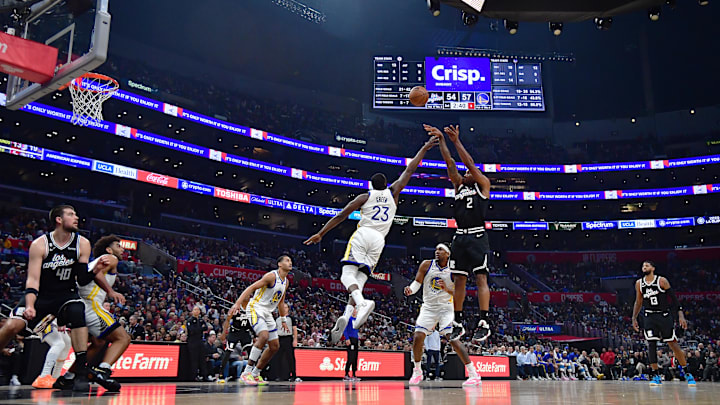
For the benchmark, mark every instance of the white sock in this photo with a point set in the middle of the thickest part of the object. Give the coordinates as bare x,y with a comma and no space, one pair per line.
57,369
248,369
104,365
256,372
470,367
418,365
357,297
48,366
348,311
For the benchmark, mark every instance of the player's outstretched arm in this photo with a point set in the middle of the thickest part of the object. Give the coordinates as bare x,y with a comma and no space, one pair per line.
404,178
351,207
453,132
419,277
452,170
266,281
637,306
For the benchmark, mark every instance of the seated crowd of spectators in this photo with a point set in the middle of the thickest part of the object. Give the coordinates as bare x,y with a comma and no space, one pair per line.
158,307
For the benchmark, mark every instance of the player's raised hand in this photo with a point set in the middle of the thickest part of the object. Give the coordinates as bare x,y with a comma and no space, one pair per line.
431,143
408,291
635,325
453,132
431,130
313,239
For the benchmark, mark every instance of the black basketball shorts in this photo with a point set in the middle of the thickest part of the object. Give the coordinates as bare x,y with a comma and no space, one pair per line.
659,326
470,253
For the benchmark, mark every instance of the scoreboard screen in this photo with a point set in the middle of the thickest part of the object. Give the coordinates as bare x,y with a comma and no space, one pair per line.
459,83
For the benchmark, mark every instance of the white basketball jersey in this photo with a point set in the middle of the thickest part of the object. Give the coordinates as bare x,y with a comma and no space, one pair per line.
92,291
266,299
433,295
378,211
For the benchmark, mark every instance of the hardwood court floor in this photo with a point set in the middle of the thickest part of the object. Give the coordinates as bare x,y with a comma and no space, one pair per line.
380,393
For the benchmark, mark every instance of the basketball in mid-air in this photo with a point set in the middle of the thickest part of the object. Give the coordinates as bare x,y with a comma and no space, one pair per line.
419,96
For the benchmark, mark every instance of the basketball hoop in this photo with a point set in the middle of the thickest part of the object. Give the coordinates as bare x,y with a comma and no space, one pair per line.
88,93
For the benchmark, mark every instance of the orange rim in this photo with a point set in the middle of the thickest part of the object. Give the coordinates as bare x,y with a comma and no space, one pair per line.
91,75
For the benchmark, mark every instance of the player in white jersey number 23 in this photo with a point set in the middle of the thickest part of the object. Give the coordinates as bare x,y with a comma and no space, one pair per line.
377,211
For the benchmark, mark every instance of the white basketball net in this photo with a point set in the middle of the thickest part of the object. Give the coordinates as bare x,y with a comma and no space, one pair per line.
88,93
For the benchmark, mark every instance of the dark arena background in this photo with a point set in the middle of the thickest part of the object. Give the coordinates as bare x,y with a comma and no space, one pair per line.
224,143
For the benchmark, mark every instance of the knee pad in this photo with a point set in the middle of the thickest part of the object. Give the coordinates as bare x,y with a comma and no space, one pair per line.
72,315
349,276
652,352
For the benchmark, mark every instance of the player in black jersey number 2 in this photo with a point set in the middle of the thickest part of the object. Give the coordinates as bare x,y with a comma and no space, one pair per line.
470,247
653,293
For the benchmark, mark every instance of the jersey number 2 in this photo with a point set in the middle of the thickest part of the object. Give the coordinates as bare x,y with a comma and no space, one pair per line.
378,210
63,273
468,203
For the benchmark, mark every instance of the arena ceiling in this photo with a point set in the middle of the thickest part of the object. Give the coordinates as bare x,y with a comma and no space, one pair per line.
259,39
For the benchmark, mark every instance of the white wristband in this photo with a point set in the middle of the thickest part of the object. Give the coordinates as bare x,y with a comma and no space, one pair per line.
282,319
415,286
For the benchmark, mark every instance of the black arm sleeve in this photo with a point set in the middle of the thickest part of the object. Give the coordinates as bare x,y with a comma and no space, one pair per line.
83,274
674,303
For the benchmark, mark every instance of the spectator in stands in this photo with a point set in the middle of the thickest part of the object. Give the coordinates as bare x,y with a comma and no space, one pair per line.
213,356
134,329
664,363
711,367
608,358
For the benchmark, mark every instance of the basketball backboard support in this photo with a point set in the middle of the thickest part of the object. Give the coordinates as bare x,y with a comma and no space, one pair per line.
82,43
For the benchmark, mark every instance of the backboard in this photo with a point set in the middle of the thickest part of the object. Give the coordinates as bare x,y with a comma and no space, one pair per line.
81,40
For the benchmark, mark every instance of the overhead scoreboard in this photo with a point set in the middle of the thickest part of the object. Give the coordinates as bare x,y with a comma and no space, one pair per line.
459,83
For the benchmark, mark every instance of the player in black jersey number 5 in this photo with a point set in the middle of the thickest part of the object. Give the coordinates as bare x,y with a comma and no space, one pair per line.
653,293
470,247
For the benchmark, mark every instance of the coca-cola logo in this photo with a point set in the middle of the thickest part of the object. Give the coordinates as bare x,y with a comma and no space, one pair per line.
158,179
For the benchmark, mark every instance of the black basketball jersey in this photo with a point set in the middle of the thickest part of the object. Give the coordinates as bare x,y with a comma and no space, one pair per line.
56,274
470,207
239,324
654,297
